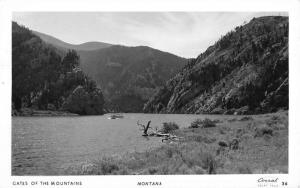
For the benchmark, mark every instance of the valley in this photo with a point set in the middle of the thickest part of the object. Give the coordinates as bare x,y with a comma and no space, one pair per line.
108,109
127,76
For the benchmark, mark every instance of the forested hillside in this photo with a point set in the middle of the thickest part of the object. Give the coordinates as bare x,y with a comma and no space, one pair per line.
42,79
129,76
245,72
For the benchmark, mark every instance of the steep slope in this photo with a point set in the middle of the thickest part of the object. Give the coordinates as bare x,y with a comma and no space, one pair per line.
129,76
42,79
65,46
246,71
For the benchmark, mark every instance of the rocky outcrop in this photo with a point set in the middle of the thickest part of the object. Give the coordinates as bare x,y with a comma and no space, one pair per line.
84,103
245,72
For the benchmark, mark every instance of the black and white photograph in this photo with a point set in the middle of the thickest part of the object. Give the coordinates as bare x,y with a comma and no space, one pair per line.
115,94
138,93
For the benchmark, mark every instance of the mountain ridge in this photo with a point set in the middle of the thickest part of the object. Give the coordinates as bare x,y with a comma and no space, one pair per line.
130,72
125,73
86,46
244,72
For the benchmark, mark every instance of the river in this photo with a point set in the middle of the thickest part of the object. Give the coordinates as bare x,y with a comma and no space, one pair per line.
50,145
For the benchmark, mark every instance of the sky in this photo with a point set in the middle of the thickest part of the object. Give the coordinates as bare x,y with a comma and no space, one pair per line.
186,34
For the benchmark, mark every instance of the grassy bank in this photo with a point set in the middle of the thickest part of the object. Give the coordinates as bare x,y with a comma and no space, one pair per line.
239,145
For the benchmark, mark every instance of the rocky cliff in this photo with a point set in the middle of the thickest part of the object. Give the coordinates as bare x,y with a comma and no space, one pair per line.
244,72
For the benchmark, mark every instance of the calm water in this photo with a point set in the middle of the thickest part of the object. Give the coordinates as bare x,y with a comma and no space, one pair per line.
50,145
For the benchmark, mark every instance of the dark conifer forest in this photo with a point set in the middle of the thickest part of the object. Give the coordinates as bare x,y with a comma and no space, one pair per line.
45,78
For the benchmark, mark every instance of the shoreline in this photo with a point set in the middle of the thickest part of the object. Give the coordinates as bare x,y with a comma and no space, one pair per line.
27,112
208,150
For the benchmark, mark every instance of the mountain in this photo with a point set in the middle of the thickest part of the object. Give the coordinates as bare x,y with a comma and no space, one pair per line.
42,79
63,45
128,76
244,72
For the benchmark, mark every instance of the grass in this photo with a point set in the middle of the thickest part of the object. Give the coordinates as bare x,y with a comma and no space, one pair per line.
239,147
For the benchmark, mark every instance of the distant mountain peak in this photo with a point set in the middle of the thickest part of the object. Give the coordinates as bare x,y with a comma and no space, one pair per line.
87,46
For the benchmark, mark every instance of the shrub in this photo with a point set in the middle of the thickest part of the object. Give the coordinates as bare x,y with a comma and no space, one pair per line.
169,127
223,144
206,123
196,123
234,144
261,131
152,170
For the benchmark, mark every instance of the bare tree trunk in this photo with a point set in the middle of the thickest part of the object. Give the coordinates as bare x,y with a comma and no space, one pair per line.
146,129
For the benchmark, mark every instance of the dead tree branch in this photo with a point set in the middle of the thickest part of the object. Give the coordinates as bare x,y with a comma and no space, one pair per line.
144,128
157,133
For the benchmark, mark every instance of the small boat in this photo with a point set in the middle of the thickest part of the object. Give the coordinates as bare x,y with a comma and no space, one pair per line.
116,116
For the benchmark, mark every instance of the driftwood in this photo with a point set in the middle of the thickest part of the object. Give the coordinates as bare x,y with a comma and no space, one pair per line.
166,136
144,128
